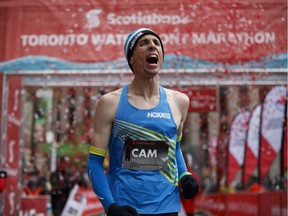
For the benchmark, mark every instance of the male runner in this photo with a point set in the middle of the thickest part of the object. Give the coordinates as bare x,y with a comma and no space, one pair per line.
141,126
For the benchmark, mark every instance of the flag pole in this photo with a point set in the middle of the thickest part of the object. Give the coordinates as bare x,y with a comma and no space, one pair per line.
282,158
245,150
259,149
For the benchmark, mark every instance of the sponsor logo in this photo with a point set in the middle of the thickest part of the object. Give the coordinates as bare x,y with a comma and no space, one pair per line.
134,40
158,115
139,18
92,19
148,19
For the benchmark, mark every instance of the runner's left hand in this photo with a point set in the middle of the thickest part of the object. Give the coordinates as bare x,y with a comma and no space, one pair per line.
190,186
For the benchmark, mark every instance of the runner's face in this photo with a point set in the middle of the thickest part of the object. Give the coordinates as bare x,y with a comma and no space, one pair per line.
147,58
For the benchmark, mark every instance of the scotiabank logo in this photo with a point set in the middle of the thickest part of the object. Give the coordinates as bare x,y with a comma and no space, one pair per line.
137,18
92,18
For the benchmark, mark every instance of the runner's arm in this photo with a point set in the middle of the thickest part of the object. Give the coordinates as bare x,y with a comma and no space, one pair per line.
182,168
98,149
189,185
182,104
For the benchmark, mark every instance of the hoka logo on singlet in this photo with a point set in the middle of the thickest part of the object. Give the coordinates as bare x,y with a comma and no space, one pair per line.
158,115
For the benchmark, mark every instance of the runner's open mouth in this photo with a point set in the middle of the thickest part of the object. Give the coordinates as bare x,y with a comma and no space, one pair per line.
152,59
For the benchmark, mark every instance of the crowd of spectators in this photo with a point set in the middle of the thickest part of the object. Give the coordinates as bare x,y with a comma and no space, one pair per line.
57,185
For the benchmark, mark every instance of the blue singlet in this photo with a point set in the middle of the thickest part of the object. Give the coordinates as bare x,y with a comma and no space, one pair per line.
150,192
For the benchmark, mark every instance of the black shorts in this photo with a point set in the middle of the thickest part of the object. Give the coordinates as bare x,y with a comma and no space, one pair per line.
166,214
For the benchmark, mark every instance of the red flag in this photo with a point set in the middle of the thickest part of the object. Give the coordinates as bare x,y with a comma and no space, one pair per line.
12,156
237,144
271,127
252,144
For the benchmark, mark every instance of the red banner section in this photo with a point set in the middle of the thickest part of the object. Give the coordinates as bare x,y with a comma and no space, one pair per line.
82,202
271,204
12,158
87,31
202,100
242,204
34,205
93,205
248,204
214,204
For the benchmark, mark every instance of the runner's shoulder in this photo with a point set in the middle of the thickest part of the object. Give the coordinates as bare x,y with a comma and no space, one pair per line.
110,99
177,96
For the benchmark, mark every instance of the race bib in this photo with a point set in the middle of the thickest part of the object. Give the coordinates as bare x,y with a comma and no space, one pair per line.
145,155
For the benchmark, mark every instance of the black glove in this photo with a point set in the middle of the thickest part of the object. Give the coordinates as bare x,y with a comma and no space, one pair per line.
116,210
190,186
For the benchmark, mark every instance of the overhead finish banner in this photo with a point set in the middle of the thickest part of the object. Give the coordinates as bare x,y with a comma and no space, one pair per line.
91,34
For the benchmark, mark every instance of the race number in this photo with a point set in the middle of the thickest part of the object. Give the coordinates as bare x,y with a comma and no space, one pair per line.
145,155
